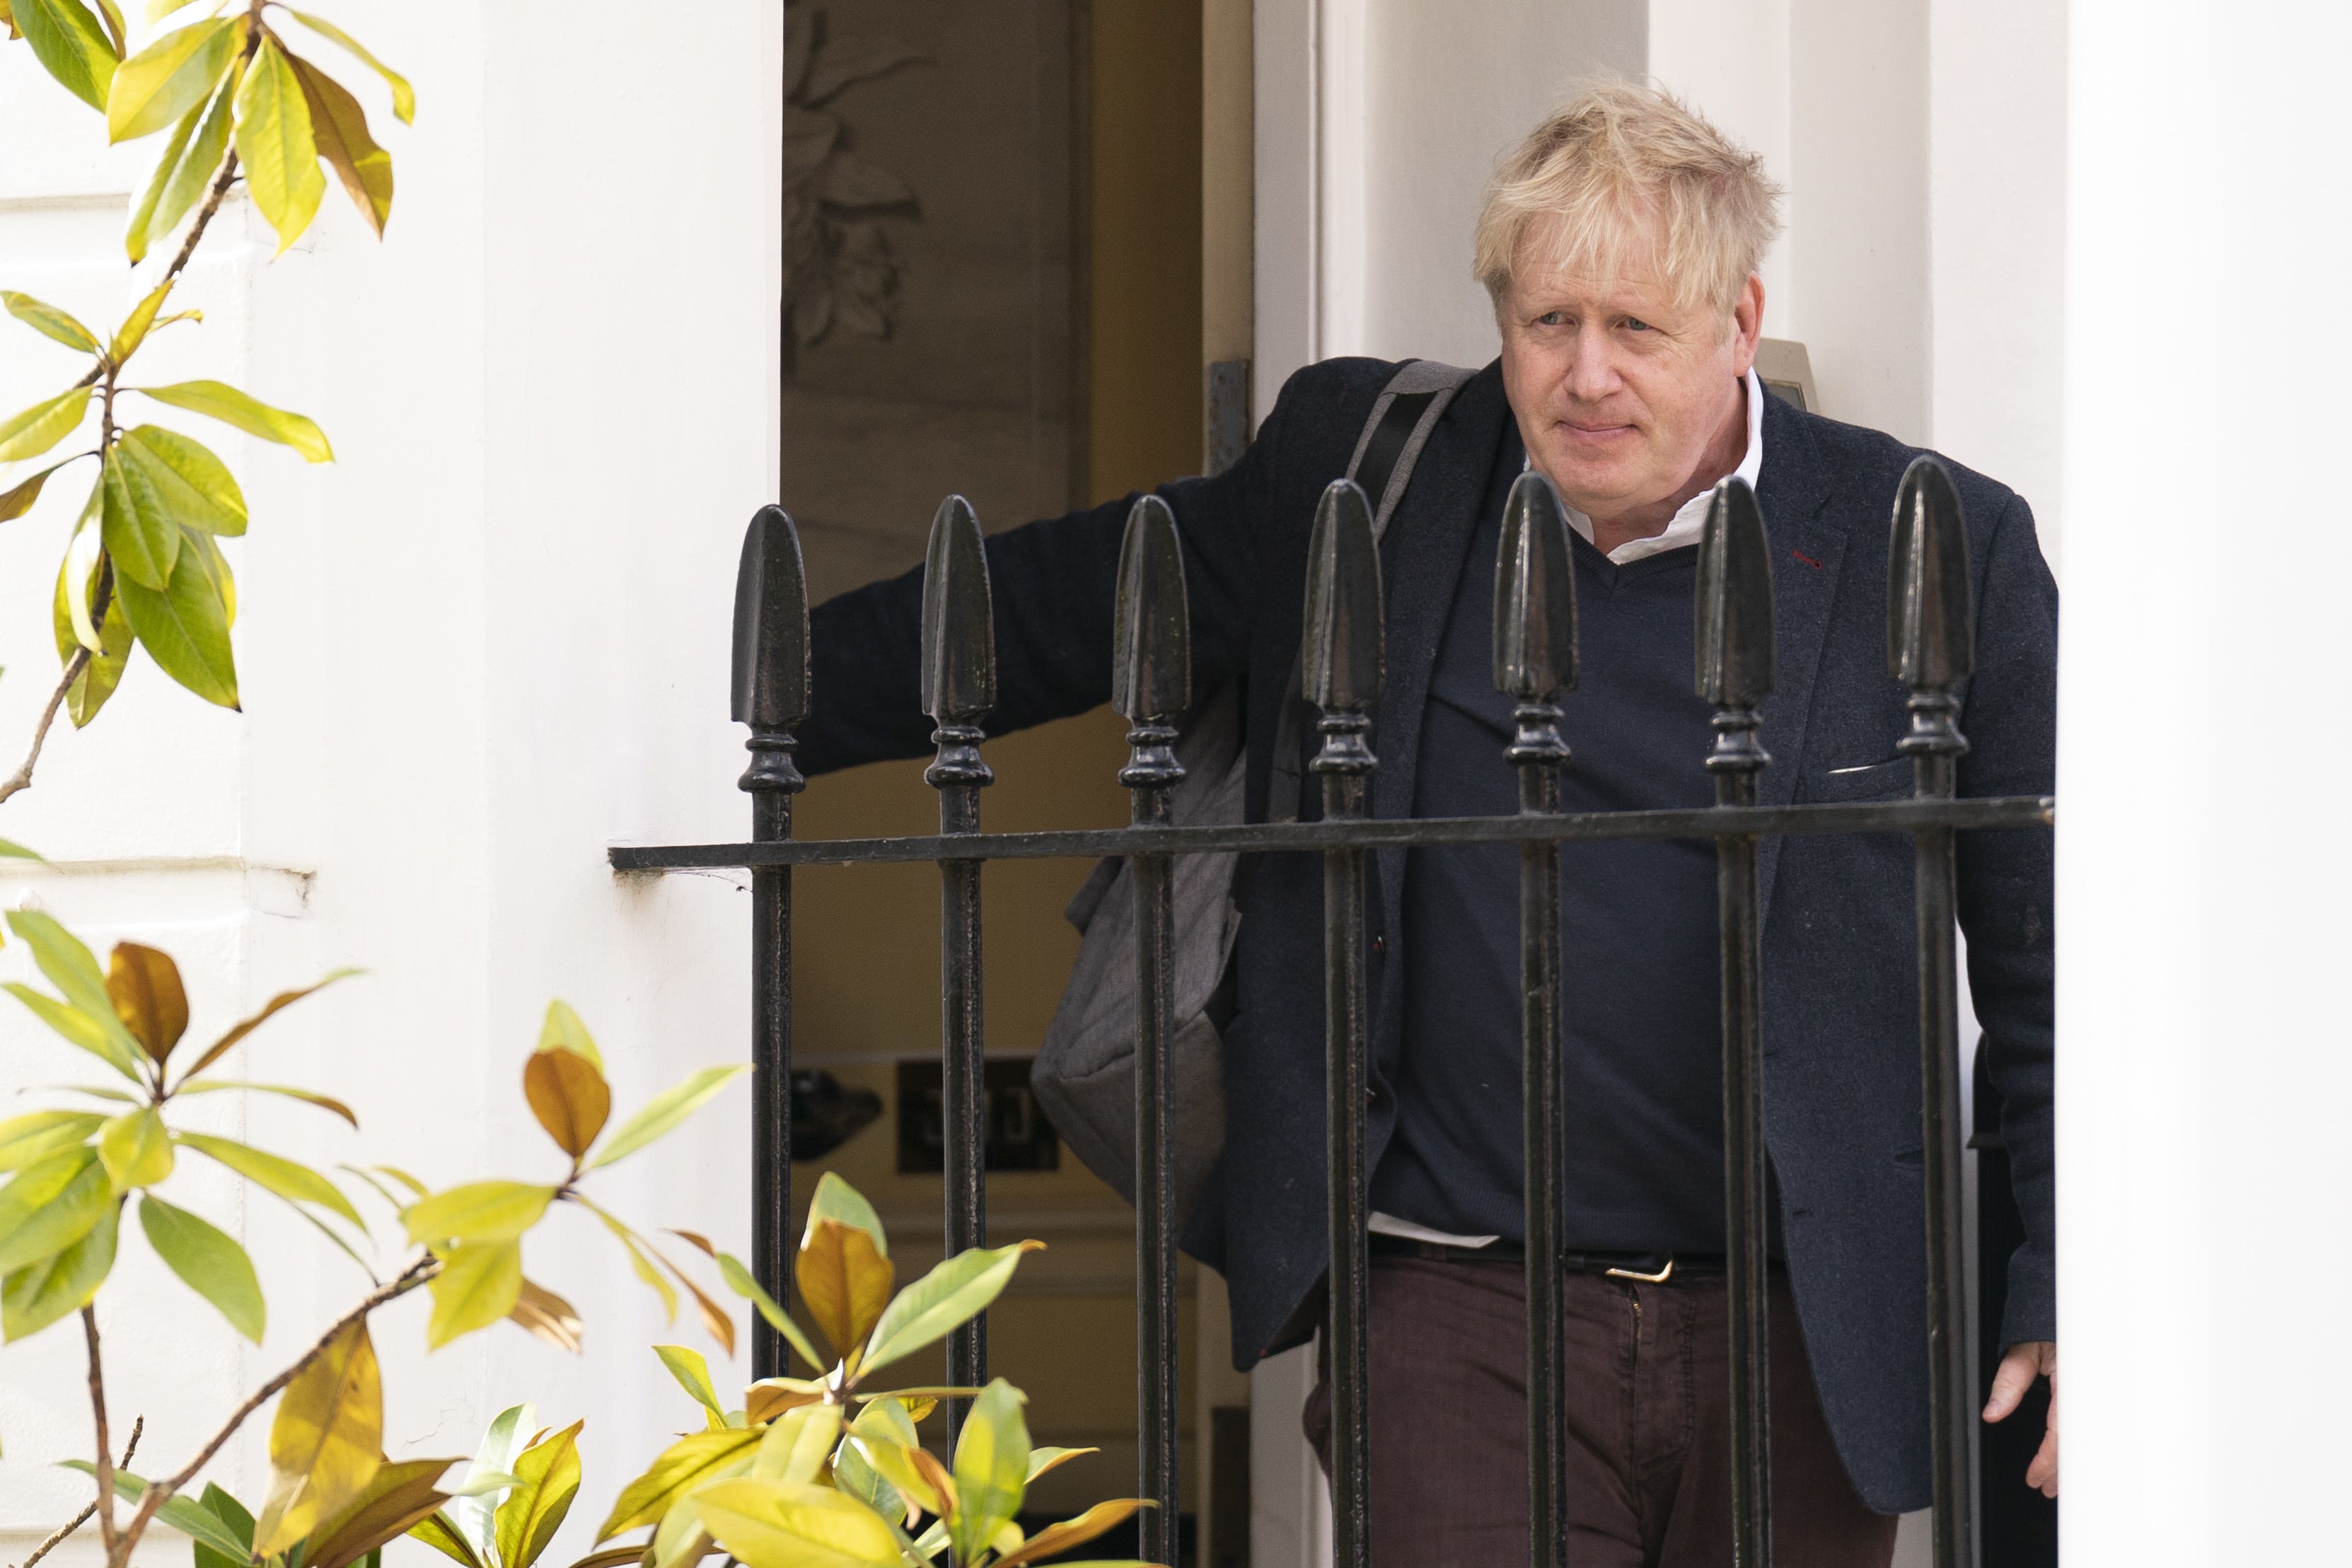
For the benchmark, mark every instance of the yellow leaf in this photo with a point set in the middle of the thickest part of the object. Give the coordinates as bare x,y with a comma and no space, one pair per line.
136,1148
479,1283
70,44
767,1524
548,1316
403,97
684,1466
478,1211
147,998
1057,1539
170,77
844,1283
770,1396
276,145
568,1096
326,1443
527,1520
189,161
341,127
135,326
30,431
795,1447
562,1029
48,320
992,1467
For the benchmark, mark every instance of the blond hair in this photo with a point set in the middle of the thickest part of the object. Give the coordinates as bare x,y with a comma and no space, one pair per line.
1623,175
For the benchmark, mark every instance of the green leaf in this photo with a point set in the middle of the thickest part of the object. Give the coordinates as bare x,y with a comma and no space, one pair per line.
181,480
488,1478
323,1102
1045,1457
185,629
992,1467
188,164
92,1034
141,320
69,963
478,1285
203,1522
635,1246
208,1260
49,322
342,129
169,78
691,1462
18,499
36,1136
296,1184
231,1517
797,1444
562,1029
665,1110
144,540
275,141
547,1477
30,431
136,1149
109,645
478,1211
440,1532
693,1374
34,1297
739,1280
951,1295
71,46
230,406
836,1200
403,97
11,850
770,1524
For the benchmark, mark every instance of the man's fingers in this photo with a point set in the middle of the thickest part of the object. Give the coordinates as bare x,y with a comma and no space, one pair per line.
2041,1475
2012,1379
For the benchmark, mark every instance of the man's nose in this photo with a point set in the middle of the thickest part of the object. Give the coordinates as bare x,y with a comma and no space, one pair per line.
1591,373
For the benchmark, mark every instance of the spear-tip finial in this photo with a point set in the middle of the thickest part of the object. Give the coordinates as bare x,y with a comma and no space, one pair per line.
959,626
1344,650
770,687
1151,657
1535,595
1930,619
1735,600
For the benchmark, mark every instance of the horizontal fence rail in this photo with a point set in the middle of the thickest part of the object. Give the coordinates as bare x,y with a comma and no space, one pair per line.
1930,650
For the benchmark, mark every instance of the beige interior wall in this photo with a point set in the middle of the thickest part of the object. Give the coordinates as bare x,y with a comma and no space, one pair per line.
867,939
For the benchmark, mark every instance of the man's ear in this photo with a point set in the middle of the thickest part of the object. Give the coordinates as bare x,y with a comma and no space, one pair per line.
1746,323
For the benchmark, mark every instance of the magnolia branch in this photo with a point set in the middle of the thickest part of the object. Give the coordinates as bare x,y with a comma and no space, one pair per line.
105,1498
23,777
56,1537
158,1493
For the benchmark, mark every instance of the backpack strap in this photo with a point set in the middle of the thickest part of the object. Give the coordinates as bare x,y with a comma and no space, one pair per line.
1394,434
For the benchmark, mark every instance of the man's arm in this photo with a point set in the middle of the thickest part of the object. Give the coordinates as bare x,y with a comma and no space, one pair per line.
1052,583
2010,718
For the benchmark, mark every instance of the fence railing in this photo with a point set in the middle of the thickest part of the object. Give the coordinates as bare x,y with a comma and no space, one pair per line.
1930,649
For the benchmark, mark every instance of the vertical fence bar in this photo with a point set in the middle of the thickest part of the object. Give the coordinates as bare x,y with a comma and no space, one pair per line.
1931,648
1343,668
1534,662
771,694
1152,682
958,689
1735,673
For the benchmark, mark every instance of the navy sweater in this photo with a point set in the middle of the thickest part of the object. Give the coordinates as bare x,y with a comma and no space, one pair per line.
1644,1065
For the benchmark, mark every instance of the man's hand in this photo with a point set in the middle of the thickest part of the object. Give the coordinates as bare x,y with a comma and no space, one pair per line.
2018,1368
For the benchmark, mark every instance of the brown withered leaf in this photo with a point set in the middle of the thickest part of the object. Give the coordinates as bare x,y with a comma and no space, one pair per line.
401,1496
147,998
569,1097
548,1316
844,1281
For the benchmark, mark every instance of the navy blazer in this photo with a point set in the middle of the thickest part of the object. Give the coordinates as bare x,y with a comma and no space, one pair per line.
1840,983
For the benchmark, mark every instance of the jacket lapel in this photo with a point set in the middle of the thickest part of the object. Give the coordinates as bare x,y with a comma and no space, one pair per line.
1808,552
1421,565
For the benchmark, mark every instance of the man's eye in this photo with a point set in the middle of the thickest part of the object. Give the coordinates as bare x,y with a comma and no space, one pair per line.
1551,319
1637,325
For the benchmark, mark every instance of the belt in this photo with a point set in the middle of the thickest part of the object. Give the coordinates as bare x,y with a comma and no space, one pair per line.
1646,1267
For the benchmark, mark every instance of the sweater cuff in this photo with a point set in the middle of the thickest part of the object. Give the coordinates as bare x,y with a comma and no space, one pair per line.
2032,1310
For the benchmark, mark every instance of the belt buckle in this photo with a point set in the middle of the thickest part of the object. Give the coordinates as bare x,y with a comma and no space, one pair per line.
1659,1277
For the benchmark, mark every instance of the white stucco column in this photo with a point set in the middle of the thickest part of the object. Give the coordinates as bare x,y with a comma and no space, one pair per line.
2204,1070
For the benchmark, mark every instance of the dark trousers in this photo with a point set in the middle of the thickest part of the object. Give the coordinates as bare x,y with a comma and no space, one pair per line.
1648,1421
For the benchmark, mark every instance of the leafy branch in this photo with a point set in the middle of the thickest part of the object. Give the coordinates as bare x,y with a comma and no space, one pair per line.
142,565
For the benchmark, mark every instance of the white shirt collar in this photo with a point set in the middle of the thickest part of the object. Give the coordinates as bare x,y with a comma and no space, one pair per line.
1690,522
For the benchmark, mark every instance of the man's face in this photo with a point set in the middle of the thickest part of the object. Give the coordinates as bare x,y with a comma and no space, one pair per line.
1620,393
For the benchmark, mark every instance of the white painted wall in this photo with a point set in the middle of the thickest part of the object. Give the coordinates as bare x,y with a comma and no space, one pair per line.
2205,1070
488,642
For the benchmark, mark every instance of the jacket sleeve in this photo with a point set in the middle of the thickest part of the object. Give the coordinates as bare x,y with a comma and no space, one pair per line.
2010,717
1052,583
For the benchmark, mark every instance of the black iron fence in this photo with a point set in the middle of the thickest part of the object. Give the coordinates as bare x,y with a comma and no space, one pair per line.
1930,649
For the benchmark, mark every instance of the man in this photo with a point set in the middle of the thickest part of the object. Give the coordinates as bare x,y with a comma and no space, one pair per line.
1620,244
